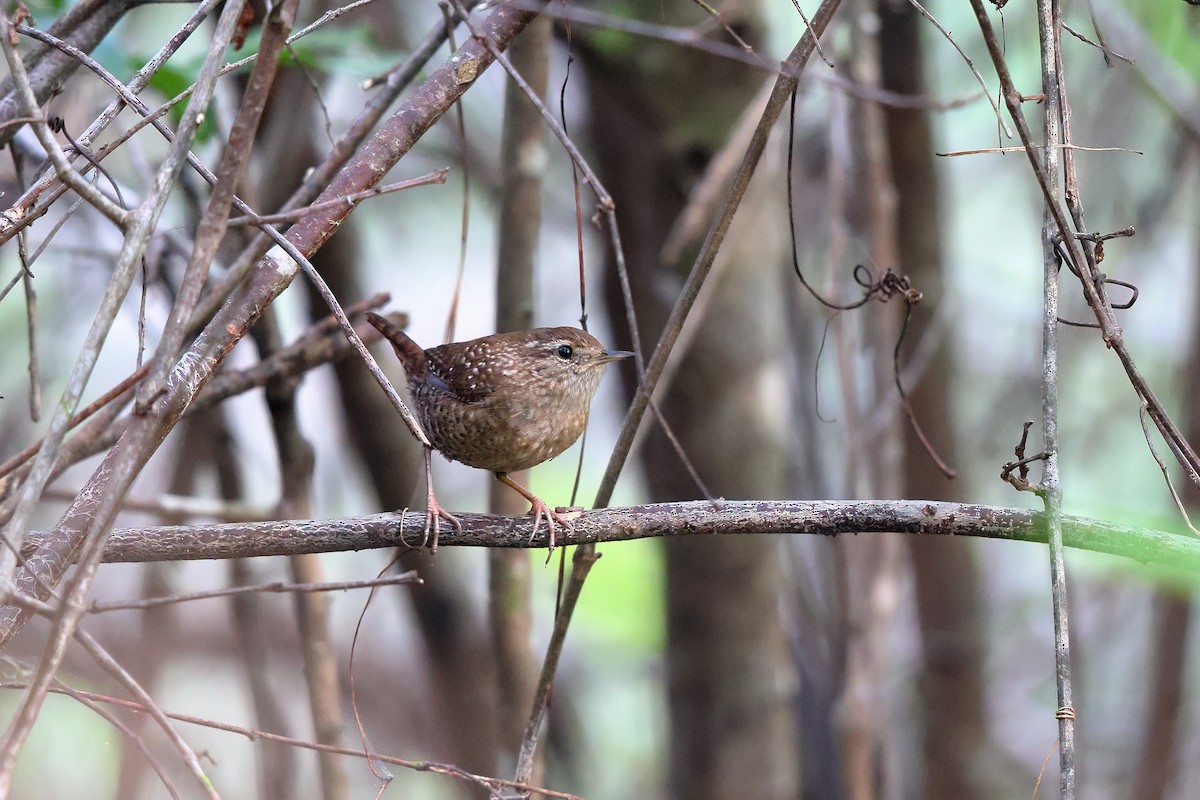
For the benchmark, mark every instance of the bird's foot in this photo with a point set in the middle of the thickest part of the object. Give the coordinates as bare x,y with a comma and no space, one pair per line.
553,517
434,513
433,509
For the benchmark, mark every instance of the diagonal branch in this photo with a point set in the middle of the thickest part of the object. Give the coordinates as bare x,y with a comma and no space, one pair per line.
215,220
785,85
84,24
1184,453
378,155
116,470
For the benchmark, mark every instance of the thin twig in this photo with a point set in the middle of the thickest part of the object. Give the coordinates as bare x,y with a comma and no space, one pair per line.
1021,149
254,735
1113,338
31,339
602,196
970,64
1187,520
1106,51
785,85
137,232
279,587
438,176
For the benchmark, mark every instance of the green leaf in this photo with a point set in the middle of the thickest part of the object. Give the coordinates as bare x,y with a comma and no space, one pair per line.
171,80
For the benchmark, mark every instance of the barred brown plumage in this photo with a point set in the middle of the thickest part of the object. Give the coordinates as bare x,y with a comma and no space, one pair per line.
505,402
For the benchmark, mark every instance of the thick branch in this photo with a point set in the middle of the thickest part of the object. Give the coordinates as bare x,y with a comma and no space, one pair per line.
826,517
84,25
271,276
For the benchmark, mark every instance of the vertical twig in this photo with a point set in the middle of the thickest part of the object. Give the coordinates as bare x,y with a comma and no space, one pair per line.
35,373
1049,23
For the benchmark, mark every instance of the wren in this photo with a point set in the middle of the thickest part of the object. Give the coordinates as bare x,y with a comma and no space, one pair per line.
505,402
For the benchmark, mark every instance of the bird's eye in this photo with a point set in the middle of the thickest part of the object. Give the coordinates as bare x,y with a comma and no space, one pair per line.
564,351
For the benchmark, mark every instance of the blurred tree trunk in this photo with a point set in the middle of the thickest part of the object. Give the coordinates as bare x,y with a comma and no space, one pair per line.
1157,765
872,751
945,575
149,658
459,669
523,156
658,115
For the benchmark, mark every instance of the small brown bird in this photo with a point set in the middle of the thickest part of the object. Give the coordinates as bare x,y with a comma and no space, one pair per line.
505,402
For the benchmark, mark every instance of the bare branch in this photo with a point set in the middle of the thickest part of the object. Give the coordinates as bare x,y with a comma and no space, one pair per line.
214,221
276,587
1183,451
21,214
255,735
41,128
120,470
785,85
694,518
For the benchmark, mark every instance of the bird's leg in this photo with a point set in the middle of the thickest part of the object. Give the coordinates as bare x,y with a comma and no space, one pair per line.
538,508
433,510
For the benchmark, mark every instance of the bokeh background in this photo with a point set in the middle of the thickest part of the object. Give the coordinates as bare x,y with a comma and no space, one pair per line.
724,667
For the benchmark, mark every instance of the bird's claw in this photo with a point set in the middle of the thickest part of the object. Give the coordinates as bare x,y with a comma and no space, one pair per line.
433,514
553,517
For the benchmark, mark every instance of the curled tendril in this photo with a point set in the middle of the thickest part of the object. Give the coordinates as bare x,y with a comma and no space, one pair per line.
1065,258
889,285
59,125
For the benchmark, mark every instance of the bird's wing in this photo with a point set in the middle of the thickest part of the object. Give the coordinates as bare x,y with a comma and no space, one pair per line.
470,382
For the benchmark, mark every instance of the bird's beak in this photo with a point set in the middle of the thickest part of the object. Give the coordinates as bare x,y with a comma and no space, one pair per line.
613,355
